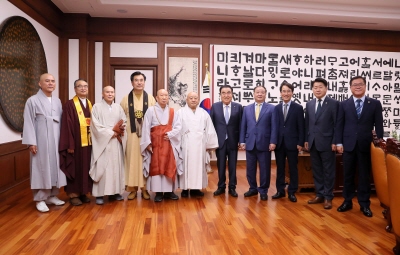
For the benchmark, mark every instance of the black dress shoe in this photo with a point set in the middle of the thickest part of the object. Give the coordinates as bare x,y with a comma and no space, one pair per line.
233,193
251,193
366,211
185,193
345,207
219,191
171,195
264,197
84,199
292,197
159,197
118,197
196,193
278,195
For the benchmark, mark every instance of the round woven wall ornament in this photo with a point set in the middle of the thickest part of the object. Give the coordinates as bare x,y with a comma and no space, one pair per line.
22,61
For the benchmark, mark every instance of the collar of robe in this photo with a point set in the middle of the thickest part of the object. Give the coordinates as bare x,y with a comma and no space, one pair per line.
138,114
84,122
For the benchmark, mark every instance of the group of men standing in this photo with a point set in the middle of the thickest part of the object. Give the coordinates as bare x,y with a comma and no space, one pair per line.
144,144
328,127
77,146
99,149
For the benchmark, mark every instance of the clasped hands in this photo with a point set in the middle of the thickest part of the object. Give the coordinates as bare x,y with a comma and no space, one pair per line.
119,130
271,147
339,149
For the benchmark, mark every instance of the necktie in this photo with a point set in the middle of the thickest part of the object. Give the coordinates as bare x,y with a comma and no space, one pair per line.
226,114
319,107
358,107
257,111
285,111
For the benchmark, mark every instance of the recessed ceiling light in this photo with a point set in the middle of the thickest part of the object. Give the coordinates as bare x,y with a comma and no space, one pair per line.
122,11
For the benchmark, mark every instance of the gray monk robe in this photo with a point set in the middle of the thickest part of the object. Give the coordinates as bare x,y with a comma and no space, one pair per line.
42,128
156,117
107,164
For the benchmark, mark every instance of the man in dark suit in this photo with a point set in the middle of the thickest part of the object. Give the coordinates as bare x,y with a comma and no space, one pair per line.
357,117
290,122
320,120
226,116
259,137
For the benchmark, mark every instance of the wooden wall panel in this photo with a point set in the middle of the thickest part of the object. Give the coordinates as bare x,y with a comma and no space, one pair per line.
241,33
83,59
22,162
63,69
7,171
160,67
14,165
106,64
44,12
91,71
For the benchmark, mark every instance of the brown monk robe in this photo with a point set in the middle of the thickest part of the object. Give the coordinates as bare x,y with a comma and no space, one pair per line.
75,165
161,148
162,160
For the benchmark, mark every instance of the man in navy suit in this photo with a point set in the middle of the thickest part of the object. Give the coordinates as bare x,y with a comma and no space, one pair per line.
357,117
258,135
226,116
290,122
320,120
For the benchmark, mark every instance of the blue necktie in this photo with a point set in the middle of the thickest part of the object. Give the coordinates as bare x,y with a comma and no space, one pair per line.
285,111
226,119
226,114
319,107
358,107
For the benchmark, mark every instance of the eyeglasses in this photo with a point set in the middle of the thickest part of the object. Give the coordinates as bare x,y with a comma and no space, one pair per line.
82,86
357,84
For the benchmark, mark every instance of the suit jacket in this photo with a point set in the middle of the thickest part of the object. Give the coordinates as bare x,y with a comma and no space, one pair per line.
352,130
261,132
292,128
320,130
217,115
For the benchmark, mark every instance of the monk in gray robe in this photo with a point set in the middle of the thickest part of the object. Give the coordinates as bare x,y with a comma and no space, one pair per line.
160,147
198,138
108,148
42,117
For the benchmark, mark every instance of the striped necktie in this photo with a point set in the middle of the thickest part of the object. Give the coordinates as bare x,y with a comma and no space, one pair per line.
358,107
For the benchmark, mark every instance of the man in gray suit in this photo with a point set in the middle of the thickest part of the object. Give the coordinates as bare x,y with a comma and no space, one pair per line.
320,121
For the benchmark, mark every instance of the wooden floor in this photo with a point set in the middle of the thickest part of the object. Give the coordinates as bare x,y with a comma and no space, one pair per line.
208,225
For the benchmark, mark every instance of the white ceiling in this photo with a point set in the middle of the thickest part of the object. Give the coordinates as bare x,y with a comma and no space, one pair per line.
361,14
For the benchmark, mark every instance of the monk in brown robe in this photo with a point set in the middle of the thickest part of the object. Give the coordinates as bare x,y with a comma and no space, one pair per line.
160,147
75,144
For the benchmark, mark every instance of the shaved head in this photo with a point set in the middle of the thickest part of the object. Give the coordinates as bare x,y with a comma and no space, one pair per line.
108,94
107,88
47,84
192,100
161,91
162,98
